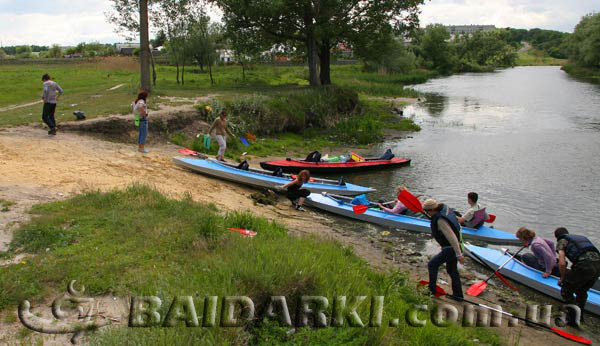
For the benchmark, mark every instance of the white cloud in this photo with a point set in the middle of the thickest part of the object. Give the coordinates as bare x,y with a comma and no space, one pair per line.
546,14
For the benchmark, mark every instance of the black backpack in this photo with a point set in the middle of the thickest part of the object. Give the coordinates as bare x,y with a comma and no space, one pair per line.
315,156
244,166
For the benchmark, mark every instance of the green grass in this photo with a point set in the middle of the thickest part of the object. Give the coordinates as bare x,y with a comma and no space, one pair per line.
534,57
139,242
86,85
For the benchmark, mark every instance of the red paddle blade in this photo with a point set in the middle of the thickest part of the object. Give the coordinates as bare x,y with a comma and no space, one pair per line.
410,201
360,209
243,232
439,292
476,289
491,219
571,337
503,279
187,152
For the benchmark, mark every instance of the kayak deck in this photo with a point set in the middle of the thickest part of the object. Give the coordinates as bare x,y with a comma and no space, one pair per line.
333,167
527,276
339,206
264,179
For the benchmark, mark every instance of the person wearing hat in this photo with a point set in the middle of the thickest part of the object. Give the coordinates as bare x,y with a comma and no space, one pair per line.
585,268
445,229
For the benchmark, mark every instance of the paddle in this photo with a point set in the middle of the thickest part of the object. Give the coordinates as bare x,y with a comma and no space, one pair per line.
360,209
491,219
440,292
411,202
500,276
479,287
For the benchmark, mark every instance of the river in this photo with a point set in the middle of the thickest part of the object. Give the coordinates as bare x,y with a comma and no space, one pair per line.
527,139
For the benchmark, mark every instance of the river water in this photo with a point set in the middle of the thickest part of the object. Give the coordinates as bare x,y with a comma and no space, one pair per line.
527,139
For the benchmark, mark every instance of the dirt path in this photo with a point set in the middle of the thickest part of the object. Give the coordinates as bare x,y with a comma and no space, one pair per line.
37,168
13,107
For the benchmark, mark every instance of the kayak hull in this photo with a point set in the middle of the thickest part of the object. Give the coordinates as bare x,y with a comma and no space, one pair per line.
527,276
263,180
295,166
410,223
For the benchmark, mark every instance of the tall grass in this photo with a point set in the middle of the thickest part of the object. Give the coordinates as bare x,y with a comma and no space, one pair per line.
139,242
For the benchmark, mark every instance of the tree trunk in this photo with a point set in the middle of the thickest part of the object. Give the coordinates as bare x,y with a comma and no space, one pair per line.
212,82
183,73
153,69
144,45
177,64
313,73
243,70
325,61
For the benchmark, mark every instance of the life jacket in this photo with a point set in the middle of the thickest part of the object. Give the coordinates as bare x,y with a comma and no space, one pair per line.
448,215
577,246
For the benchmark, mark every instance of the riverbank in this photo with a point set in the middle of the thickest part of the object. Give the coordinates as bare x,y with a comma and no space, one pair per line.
586,73
65,241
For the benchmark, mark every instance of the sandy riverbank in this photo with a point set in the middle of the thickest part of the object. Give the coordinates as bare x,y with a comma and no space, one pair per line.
37,168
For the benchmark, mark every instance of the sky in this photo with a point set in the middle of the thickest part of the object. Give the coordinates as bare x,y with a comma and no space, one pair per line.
68,22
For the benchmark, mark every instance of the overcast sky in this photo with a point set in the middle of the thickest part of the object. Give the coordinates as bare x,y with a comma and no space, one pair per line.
68,22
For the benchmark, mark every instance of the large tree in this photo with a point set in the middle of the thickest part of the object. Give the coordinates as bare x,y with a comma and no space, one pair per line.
131,20
583,45
318,25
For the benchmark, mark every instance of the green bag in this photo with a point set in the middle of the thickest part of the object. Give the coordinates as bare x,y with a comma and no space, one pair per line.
137,120
207,141
334,159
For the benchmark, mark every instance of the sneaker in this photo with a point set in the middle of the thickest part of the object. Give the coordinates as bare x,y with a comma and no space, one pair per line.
145,151
52,132
299,208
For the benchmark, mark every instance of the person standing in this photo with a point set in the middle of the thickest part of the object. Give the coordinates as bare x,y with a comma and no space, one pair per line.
219,126
585,268
140,111
50,93
445,229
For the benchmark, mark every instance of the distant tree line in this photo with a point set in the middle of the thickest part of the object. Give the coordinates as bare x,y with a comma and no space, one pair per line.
583,46
83,49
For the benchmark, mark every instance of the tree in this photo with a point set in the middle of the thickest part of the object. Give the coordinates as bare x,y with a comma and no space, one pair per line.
386,54
583,46
202,42
2,54
23,52
127,16
247,46
435,48
318,25
55,51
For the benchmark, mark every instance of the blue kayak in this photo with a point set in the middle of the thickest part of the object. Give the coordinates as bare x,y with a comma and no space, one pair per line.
526,275
265,179
341,206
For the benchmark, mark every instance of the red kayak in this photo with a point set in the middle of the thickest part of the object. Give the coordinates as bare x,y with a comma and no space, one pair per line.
294,166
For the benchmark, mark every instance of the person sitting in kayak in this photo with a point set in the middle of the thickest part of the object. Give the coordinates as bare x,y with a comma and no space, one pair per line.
399,208
294,191
542,257
585,268
467,220
445,229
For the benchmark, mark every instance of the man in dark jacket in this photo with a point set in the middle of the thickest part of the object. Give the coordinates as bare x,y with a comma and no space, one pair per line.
445,229
585,268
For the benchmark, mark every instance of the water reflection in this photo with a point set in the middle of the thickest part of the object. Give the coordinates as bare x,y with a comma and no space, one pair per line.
435,104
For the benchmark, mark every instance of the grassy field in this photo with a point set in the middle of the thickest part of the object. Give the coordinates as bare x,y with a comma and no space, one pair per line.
534,57
87,85
138,242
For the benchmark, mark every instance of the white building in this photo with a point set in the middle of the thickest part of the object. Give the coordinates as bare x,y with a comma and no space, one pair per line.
457,30
225,55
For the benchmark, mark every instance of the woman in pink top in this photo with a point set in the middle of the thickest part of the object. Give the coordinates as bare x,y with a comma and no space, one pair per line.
542,257
398,208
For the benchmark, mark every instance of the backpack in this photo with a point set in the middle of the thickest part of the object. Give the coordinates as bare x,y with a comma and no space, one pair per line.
315,156
387,155
278,172
244,166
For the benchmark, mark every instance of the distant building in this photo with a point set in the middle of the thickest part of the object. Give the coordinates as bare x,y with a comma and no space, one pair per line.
127,48
225,55
457,30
